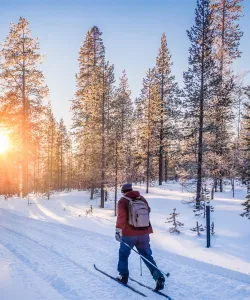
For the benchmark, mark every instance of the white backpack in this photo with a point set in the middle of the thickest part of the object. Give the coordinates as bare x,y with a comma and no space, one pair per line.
138,213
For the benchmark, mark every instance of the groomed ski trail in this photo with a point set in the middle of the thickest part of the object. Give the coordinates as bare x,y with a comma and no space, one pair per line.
69,279
62,257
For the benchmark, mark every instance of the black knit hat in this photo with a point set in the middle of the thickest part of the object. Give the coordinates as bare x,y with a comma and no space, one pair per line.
126,187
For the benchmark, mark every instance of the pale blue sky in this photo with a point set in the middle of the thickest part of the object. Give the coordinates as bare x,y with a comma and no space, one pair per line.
131,32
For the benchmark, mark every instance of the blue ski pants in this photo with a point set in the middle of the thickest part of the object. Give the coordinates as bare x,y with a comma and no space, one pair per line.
141,242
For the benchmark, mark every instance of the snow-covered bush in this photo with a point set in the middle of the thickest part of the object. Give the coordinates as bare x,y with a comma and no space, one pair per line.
198,228
89,211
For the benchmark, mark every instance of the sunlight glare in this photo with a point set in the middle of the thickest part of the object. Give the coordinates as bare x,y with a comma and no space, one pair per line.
4,143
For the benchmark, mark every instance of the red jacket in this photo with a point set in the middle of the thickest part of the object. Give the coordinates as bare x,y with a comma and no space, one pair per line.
122,216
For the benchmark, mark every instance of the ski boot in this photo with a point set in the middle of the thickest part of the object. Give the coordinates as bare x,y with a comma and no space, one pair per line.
160,284
122,278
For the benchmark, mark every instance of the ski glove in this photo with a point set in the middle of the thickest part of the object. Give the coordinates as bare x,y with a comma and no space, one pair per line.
118,234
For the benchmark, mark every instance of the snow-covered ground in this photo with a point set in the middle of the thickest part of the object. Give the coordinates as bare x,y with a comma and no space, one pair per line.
47,249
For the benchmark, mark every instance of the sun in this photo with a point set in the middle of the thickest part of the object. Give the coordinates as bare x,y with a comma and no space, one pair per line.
4,143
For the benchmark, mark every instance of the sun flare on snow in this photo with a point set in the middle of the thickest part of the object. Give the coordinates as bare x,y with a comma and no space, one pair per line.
4,143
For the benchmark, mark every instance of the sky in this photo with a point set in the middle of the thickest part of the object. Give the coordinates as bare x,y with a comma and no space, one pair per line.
131,33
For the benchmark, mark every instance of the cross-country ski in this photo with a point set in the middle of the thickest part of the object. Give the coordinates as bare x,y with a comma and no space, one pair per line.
115,279
150,288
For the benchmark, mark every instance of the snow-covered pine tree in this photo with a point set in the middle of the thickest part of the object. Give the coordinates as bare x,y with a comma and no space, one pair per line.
176,224
200,82
168,106
226,15
20,75
90,106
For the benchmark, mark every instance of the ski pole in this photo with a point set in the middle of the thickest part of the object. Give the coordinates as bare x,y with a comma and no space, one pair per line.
166,274
141,265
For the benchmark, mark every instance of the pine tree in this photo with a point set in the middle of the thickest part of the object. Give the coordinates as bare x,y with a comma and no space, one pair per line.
91,111
63,145
86,116
148,112
121,124
50,175
107,94
70,165
199,81
139,157
168,104
125,104
226,14
20,75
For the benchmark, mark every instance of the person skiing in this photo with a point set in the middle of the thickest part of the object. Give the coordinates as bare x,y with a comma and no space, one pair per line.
133,228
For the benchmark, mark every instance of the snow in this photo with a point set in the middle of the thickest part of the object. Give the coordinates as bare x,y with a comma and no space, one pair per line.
47,249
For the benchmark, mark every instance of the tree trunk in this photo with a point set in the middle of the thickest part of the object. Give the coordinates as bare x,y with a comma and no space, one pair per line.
148,158
212,193
200,138
92,192
61,174
221,185
161,136
103,145
24,130
233,189
221,73
48,164
116,173
166,168
148,138
51,159
215,185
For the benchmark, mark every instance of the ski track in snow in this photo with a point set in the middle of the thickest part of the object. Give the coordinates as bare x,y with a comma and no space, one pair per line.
62,257
13,288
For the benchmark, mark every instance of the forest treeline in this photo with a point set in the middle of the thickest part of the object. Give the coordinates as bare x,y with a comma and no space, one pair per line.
196,132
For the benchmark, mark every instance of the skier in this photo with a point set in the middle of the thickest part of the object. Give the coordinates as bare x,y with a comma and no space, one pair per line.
133,228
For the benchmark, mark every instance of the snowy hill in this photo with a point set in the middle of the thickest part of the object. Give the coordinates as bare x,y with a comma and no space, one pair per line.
47,249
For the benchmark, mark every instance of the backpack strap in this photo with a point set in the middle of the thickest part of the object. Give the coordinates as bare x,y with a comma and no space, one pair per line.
125,197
